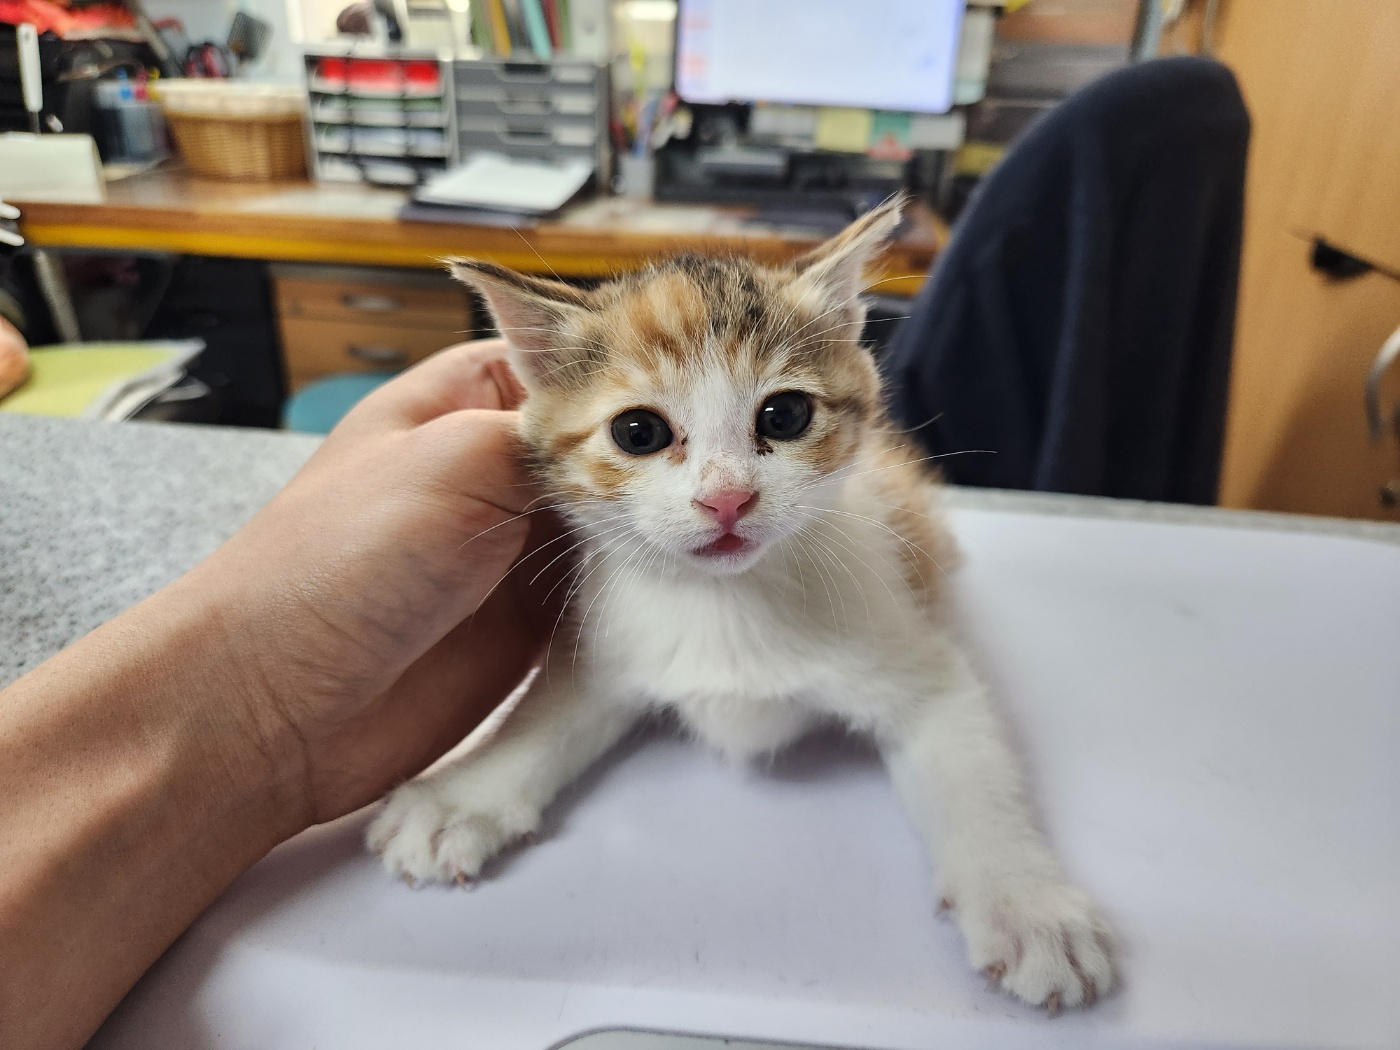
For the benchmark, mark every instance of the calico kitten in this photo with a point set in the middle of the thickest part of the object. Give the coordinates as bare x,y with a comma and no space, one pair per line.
759,554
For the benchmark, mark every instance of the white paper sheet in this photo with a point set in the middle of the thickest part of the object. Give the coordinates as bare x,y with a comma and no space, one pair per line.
489,180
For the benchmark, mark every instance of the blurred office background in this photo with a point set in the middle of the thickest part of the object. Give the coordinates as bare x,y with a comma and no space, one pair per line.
278,177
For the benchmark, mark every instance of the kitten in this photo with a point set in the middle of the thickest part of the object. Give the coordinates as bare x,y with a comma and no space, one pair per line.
758,555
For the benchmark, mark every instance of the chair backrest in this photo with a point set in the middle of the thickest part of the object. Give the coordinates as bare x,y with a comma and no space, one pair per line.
1079,325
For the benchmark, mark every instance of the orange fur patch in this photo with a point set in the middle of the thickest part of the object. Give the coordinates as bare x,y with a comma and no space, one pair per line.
901,484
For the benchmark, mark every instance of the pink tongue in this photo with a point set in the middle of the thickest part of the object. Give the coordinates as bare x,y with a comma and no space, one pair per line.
727,543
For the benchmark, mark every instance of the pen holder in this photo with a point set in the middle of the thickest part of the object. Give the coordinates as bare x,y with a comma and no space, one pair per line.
636,175
131,130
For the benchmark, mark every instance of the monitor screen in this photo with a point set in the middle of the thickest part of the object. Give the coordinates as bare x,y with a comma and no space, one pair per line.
876,54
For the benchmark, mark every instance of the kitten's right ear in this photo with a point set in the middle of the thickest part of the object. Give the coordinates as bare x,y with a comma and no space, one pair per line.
536,317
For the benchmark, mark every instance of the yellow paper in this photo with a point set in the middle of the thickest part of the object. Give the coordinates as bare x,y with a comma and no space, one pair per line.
844,129
64,381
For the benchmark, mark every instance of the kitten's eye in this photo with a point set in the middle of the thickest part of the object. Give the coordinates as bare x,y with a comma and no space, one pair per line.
785,416
640,432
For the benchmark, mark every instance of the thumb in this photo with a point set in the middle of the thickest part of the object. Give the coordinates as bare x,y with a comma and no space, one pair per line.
477,467
484,458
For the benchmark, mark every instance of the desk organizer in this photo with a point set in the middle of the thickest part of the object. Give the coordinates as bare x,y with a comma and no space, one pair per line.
539,110
380,116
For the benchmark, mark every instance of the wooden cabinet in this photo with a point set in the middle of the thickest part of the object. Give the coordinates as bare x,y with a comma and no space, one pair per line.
1347,187
344,319
1298,439
1322,82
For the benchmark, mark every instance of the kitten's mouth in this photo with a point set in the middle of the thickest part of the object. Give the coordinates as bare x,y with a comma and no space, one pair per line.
725,545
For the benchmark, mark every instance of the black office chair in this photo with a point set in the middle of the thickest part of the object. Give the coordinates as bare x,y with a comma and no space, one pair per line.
1078,327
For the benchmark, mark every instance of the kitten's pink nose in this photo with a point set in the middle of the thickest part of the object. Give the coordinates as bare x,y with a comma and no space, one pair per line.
728,505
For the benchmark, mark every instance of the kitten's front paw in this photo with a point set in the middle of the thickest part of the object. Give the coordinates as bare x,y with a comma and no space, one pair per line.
1043,941
426,835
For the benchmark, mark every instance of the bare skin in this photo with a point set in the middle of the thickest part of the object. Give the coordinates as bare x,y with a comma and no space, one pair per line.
360,625
14,357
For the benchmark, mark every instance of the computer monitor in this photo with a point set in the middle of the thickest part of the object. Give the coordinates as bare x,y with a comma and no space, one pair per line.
875,54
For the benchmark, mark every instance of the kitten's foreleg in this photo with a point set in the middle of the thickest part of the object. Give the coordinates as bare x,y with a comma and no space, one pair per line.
1027,927
446,825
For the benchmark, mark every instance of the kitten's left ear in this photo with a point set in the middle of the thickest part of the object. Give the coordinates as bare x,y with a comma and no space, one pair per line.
836,269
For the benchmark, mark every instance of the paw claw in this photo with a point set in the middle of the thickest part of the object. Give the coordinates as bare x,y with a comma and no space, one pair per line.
1043,942
427,832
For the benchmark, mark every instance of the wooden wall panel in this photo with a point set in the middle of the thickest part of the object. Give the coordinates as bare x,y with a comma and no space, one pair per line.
1317,81
1349,125
1298,438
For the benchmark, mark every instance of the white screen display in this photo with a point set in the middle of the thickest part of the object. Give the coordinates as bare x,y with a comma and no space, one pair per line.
877,54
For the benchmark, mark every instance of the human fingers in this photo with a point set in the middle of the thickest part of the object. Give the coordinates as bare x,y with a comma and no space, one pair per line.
466,376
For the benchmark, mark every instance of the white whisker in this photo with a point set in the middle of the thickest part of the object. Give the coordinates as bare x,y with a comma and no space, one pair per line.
865,599
881,525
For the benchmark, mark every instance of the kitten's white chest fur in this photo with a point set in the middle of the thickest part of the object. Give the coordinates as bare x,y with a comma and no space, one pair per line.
749,662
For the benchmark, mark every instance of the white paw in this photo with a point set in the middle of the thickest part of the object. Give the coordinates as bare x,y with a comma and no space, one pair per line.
1043,941
425,834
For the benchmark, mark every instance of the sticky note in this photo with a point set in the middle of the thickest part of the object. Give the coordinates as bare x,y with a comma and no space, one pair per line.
937,130
889,136
844,129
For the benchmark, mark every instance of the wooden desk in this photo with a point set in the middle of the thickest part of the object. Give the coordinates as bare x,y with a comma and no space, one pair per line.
306,222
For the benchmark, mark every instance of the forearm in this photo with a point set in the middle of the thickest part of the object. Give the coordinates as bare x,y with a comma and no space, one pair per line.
328,651
130,802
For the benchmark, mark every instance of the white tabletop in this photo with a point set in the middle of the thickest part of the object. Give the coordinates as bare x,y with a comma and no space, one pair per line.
1212,718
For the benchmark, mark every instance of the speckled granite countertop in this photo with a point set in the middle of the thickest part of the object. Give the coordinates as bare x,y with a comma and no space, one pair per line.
95,516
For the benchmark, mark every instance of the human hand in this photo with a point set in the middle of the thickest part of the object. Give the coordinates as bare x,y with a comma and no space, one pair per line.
359,626
370,607
14,357
14,351
9,235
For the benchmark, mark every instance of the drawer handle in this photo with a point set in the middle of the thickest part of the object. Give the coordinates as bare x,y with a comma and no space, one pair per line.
526,105
1375,415
524,71
517,133
378,355
373,304
1331,261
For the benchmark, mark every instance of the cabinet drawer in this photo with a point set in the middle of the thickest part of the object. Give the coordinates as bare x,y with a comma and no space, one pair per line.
386,304
497,73
497,131
316,348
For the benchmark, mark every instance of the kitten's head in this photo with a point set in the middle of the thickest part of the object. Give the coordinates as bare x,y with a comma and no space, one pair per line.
699,408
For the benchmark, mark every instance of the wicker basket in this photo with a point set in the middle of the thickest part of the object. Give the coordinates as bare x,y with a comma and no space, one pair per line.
231,130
